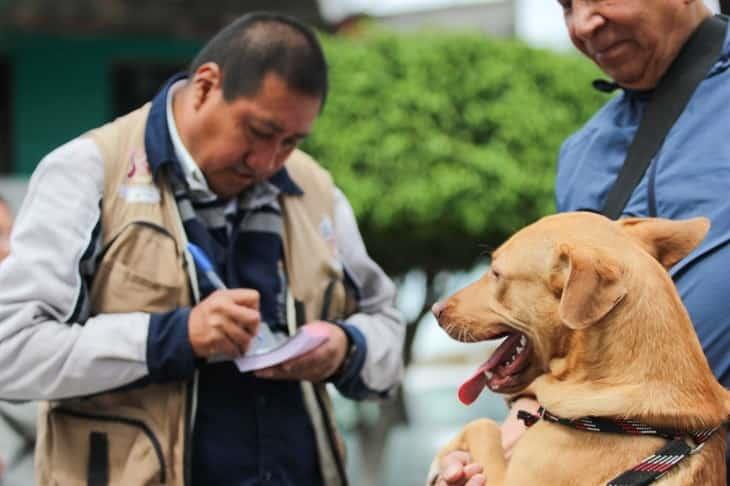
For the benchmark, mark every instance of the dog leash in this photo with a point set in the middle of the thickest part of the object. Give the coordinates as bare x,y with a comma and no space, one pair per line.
680,446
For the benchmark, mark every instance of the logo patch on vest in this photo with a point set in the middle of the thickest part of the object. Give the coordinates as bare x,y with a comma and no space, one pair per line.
327,230
139,187
139,169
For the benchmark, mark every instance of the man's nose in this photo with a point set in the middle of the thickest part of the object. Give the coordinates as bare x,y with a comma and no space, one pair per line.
585,19
264,157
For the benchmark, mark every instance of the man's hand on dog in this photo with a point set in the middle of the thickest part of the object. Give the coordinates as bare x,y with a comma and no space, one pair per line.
456,468
316,365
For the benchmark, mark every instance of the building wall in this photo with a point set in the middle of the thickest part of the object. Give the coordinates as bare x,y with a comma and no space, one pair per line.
494,18
62,86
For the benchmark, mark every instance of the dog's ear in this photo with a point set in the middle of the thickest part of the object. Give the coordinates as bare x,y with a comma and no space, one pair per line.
666,240
593,286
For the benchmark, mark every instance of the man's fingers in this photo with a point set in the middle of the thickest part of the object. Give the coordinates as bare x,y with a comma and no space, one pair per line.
452,467
453,472
478,480
471,469
238,337
245,297
456,457
246,318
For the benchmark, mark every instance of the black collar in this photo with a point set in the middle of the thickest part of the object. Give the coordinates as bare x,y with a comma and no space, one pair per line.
680,445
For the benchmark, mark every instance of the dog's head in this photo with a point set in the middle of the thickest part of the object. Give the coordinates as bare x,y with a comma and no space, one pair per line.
562,276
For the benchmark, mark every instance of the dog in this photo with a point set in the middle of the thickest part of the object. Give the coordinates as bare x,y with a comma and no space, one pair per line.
593,327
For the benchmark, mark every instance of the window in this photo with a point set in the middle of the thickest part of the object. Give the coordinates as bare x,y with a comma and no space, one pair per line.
6,125
134,84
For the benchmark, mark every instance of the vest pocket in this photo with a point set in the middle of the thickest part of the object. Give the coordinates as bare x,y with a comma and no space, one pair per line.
142,270
103,449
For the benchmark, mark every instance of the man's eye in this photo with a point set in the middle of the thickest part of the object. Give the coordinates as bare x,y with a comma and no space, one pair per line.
259,134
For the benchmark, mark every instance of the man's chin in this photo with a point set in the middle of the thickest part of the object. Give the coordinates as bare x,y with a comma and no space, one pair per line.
229,191
232,184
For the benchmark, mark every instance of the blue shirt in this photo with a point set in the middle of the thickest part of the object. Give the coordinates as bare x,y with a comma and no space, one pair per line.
688,177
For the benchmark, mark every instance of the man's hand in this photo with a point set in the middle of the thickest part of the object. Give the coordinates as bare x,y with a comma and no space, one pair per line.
224,323
456,468
512,427
316,365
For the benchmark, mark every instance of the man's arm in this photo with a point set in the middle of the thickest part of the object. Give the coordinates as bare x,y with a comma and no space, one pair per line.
375,365
363,354
48,350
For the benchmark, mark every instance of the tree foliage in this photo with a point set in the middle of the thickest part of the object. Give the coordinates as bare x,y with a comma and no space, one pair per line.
445,142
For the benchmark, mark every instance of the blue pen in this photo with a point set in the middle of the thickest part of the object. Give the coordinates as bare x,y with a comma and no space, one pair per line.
204,263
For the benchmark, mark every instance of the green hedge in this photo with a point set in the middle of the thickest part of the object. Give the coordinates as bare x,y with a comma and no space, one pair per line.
445,142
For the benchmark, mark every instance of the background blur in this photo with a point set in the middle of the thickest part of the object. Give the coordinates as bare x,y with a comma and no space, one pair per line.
443,126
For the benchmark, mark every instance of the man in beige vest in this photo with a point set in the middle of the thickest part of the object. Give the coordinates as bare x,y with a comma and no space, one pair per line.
106,316
17,420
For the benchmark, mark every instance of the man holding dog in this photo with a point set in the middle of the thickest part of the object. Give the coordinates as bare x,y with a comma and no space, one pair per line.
634,42
105,313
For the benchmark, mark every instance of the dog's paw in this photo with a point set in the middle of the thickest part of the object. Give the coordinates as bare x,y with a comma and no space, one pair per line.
481,429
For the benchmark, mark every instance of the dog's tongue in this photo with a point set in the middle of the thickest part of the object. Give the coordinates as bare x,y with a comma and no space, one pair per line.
473,386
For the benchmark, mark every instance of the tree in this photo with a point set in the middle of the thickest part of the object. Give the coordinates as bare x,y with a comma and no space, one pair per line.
444,143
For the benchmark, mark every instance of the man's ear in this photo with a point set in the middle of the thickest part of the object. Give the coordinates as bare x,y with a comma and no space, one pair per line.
593,286
205,79
666,240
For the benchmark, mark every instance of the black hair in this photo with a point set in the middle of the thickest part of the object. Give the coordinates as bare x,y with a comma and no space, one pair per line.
260,43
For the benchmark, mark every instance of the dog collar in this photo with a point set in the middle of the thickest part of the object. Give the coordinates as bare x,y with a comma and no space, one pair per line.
680,445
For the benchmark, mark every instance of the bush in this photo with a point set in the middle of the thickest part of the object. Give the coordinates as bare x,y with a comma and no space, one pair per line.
445,142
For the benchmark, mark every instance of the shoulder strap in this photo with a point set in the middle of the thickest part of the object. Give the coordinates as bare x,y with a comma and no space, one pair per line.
666,104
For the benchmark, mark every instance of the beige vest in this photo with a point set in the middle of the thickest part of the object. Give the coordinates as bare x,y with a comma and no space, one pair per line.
141,436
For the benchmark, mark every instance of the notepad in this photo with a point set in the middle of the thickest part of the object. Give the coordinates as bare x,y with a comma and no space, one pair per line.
287,347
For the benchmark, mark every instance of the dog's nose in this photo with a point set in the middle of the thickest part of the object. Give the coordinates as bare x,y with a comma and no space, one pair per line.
437,308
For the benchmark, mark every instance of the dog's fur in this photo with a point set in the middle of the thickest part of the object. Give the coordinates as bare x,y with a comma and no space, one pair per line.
608,336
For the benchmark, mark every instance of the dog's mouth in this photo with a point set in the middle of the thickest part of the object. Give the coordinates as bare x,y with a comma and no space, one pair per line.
503,372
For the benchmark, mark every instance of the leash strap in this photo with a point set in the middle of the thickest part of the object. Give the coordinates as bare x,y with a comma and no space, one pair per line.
652,467
665,106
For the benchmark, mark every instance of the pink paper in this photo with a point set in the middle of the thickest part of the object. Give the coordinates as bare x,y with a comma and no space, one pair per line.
306,339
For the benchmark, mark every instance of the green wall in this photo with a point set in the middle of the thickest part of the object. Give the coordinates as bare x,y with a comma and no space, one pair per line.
62,85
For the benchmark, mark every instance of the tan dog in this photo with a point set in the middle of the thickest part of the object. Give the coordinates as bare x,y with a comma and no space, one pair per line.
594,327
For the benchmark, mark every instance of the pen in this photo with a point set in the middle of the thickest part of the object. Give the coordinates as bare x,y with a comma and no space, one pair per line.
204,263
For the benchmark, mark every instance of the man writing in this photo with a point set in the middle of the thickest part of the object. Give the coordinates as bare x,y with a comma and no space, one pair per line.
104,314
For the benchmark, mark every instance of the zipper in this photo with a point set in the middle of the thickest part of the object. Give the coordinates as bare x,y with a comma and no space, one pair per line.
127,421
327,299
191,390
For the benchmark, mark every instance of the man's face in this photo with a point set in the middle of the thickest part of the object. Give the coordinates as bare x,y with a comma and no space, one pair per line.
632,41
6,224
239,143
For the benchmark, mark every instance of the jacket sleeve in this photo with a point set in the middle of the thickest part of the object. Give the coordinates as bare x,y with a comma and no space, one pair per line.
47,349
377,330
